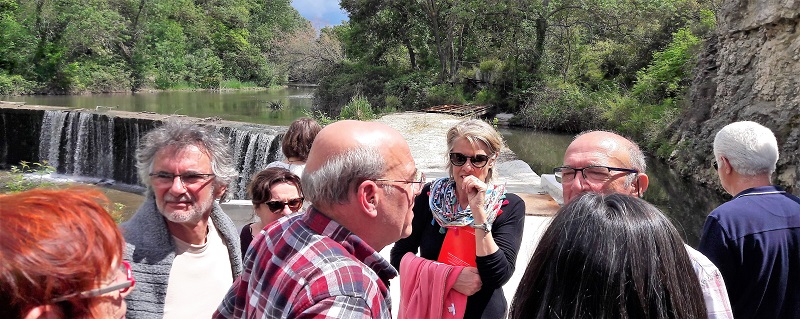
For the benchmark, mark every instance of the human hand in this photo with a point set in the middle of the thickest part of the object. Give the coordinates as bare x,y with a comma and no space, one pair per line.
476,193
468,282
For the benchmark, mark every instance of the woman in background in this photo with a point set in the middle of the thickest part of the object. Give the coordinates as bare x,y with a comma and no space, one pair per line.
61,256
296,143
275,193
465,220
609,256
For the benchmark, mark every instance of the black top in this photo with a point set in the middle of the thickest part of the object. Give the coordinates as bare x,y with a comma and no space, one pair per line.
245,237
495,269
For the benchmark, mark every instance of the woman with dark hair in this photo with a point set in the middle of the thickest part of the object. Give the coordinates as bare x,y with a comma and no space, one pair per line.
61,256
609,256
296,143
275,193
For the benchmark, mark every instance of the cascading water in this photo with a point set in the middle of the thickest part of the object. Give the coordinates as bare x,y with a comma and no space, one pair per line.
78,143
101,146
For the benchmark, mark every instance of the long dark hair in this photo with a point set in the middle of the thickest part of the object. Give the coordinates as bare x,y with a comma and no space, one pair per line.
609,256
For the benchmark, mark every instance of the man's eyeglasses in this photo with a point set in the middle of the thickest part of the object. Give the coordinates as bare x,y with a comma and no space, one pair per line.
597,174
123,287
416,184
716,167
277,206
478,161
163,179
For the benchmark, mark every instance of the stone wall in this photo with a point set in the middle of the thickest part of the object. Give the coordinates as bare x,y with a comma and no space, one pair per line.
750,71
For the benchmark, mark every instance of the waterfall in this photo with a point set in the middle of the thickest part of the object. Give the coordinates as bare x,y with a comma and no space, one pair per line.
78,143
50,137
87,144
252,151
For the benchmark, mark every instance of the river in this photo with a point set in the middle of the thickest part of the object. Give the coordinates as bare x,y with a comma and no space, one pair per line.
684,202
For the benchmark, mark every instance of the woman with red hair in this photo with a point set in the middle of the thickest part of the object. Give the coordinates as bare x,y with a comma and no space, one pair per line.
61,256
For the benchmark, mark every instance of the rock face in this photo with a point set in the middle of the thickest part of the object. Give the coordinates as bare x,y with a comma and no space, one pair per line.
750,71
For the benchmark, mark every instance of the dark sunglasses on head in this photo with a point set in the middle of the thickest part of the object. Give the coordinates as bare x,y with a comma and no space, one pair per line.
277,206
477,161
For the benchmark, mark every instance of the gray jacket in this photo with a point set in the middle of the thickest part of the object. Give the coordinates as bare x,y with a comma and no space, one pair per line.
150,250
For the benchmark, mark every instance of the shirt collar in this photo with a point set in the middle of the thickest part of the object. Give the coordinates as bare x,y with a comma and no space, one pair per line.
325,226
760,189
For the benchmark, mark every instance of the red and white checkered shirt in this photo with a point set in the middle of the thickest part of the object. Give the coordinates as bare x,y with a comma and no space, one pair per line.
309,266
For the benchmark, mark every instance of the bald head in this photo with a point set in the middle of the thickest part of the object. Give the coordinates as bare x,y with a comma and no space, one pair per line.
343,136
357,174
601,148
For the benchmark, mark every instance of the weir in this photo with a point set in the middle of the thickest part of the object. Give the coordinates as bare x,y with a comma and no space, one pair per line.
102,145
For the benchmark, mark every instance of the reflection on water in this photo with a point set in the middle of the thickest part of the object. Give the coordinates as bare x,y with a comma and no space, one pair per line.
685,203
244,106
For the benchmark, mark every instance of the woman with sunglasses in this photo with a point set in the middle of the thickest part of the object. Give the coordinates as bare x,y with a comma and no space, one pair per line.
61,256
465,220
275,193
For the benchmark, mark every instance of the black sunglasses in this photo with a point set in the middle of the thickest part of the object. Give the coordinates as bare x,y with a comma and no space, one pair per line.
477,161
277,206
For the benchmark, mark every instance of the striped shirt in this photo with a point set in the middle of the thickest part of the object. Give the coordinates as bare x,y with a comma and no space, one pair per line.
309,266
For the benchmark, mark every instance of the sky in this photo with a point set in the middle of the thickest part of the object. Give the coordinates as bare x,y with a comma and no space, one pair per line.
321,13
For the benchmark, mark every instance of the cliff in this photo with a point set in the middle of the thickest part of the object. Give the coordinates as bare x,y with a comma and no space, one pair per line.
748,71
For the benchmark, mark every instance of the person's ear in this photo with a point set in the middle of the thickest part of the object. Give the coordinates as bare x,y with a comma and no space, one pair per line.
493,159
725,165
43,312
641,183
219,191
368,195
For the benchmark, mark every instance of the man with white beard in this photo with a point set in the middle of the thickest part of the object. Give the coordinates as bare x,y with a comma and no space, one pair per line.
183,249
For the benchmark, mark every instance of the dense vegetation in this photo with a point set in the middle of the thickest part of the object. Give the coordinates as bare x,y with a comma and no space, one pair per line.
77,46
563,65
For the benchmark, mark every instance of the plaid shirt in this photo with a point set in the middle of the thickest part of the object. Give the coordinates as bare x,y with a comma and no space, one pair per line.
309,266
718,306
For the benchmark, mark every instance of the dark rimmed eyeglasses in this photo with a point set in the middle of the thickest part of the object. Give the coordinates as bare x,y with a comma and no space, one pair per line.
416,184
163,179
716,166
594,173
477,161
123,287
276,206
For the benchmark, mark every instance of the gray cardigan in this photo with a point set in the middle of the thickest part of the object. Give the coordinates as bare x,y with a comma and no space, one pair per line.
150,250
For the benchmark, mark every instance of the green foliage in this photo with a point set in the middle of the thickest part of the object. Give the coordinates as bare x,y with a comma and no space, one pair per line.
561,107
75,46
15,84
19,182
347,80
410,89
205,69
321,117
668,74
236,84
358,109
445,94
486,97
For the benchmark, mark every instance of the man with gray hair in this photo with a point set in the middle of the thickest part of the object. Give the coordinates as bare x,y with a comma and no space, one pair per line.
754,239
605,162
183,264
361,180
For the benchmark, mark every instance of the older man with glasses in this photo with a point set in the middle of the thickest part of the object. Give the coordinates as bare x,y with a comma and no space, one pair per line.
605,162
361,181
184,250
